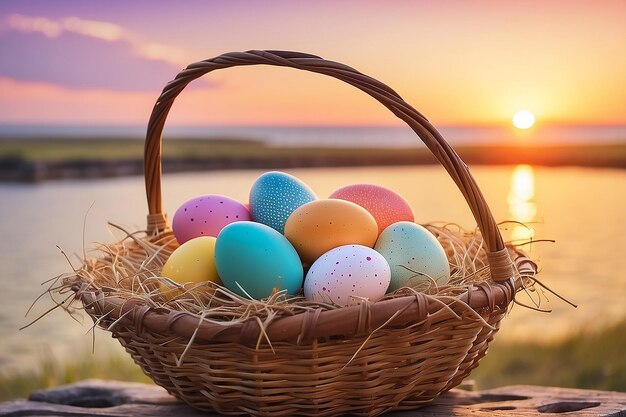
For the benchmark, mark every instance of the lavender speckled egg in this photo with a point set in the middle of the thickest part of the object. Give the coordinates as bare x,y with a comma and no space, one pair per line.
385,205
206,215
414,255
275,195
346,273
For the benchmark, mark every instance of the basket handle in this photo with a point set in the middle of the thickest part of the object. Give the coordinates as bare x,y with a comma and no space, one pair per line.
499,261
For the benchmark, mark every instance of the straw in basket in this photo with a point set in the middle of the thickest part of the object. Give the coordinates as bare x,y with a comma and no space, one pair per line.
280,357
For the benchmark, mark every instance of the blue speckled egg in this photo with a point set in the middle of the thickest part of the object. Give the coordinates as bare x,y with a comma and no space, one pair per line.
414,255
252,258
275,195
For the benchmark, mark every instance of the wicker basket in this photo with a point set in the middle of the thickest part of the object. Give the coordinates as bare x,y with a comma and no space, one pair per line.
366,359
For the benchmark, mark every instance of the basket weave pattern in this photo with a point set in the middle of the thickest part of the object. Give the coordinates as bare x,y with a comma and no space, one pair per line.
365,359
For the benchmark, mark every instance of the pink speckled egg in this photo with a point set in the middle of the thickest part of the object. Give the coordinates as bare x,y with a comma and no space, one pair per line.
387,206
206,215
345,274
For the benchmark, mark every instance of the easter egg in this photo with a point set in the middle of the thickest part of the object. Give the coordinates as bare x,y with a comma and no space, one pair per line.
345,272
253,259
414,255
319,226
385,205
193,261
275,195
206,215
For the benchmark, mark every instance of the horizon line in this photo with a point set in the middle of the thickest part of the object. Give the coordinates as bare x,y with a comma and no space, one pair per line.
329,125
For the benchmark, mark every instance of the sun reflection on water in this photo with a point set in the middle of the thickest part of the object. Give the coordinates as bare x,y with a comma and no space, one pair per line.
522,207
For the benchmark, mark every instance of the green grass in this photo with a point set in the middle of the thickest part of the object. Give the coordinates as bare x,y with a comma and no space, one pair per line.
60,149
36,149
51,373
585,360
592,360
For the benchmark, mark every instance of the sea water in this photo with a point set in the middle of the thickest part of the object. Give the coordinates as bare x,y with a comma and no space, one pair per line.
581,209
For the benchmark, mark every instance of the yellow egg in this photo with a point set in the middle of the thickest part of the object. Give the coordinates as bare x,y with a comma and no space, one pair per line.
319,226
193,261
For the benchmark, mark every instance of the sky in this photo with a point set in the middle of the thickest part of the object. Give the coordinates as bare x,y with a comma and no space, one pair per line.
458,62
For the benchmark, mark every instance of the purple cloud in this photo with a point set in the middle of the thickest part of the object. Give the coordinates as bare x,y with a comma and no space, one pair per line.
77,60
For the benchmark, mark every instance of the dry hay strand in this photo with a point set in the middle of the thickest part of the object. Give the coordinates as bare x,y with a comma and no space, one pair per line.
131,269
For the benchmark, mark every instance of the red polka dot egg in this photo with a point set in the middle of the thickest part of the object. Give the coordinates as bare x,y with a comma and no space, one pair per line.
386,206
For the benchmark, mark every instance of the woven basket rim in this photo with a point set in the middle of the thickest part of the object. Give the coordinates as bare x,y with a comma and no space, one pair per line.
305,326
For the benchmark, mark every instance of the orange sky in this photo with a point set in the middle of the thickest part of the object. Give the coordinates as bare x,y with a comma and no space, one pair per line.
464,63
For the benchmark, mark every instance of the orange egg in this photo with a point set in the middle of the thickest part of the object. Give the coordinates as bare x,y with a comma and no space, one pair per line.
319,226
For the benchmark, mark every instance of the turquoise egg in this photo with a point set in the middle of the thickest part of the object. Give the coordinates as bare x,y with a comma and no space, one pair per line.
414,255
275,195
258,259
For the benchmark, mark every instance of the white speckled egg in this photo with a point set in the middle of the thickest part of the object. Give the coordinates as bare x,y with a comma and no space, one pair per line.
414,255
345,272
275,195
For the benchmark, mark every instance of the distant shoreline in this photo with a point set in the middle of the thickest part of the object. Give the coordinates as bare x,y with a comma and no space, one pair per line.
37,160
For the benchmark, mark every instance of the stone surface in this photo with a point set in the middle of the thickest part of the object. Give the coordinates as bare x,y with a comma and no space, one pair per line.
122,399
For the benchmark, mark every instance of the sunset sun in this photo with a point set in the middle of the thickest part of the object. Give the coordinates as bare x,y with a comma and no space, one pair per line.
523,119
